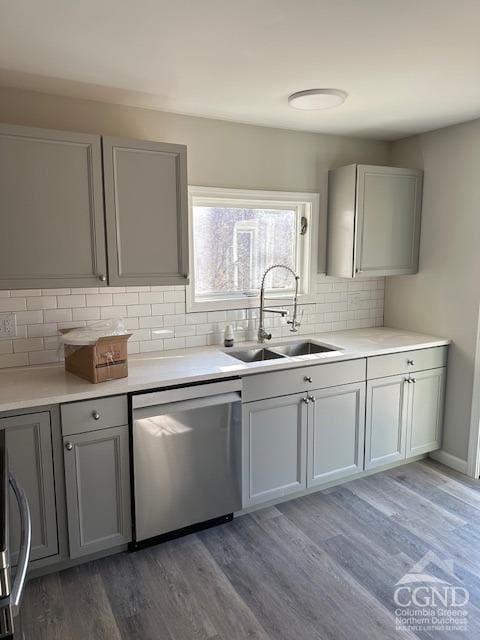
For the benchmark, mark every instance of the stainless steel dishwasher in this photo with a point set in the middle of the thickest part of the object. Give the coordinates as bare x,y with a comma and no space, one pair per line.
186,445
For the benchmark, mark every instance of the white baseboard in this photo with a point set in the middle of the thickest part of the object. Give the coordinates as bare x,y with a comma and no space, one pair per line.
450,461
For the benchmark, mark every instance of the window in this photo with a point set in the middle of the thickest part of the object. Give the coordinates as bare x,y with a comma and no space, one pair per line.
235,235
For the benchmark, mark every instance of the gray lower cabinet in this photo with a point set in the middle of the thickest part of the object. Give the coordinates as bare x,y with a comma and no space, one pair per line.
97,490
274,448
386,421
146,212
427,392
404,416
51,199
336,427
30,458
373,220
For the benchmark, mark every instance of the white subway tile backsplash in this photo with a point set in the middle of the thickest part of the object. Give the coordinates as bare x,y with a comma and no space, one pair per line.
58,315
30,317
25,293
87,313
125,298
44,302
157,317
6,346
40,330
21,345
110,313
151,298
13,360
167,308
99,300
12,304
71,302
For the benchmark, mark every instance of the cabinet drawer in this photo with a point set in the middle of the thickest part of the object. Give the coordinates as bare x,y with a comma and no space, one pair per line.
91,415
406,362
281,383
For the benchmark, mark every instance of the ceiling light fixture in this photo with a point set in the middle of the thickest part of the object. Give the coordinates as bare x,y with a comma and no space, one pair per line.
315,99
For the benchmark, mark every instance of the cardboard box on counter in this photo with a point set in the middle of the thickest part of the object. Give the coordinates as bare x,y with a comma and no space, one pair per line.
106,359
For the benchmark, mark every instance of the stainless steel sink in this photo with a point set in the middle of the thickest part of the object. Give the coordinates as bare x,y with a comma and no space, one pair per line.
302,349
255,355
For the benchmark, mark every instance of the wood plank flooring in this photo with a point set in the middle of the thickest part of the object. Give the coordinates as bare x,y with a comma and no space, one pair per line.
315,568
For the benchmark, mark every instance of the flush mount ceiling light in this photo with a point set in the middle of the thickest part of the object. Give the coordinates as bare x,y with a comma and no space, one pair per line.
316,99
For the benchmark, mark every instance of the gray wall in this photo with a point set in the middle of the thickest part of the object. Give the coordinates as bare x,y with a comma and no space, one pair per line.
443,298
220,154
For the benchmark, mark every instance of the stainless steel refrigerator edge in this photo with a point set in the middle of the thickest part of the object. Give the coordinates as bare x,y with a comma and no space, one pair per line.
186,456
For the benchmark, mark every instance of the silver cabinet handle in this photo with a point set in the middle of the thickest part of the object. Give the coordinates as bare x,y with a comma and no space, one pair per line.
68,446
414,380
307,379
306,400
312,398
95,415
102,278
25,543
407,380
410,362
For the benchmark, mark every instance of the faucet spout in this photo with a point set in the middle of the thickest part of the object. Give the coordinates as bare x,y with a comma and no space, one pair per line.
262,333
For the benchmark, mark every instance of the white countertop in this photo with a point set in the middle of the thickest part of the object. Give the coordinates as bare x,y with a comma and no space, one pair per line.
22,388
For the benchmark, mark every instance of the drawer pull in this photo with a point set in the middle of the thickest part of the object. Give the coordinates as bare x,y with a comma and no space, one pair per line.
95,415
414,380
407,380
68,446
410,362
307,379
306,400
312,398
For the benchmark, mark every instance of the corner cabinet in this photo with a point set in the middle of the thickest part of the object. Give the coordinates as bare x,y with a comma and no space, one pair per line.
146,212
404,412
373,221
30,459
51,199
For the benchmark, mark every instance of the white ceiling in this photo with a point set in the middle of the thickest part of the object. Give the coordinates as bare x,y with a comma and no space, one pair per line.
408,65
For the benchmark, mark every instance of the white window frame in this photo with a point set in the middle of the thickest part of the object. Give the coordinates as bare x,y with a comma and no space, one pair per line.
307,204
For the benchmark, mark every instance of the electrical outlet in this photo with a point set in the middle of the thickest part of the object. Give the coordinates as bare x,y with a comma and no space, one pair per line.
8,325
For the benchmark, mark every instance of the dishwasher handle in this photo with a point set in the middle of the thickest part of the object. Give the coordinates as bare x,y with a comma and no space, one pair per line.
185,405
192,392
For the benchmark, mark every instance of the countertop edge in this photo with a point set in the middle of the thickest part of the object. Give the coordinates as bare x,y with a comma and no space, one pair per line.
121,387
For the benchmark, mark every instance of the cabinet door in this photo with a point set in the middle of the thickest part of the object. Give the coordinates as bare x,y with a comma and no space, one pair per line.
51,199
427,392
336,427
98,490
146,209
388,220
30,459
386,421
274,448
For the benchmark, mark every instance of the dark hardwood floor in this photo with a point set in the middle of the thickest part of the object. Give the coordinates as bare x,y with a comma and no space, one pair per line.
320,567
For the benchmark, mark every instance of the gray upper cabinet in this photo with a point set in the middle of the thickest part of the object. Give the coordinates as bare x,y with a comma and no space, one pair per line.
373,221
51,204
146,212
30,459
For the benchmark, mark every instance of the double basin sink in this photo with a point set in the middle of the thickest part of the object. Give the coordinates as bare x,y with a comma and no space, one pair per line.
291,350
